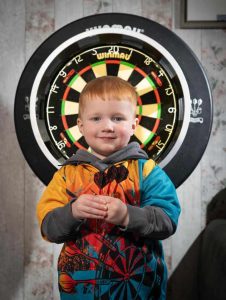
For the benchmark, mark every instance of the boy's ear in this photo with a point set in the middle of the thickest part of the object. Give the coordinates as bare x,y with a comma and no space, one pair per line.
80,125
134,125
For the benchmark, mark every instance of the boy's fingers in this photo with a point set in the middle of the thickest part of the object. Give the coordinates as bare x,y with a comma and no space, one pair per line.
94,211
101,202
105,199
97,205
93,201
100,199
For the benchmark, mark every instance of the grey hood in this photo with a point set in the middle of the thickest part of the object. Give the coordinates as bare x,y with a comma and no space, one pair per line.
131,151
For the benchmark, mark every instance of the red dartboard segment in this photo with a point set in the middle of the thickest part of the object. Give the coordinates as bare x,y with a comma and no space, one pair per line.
159,82
84,70
115,62
64,121
140,71
65,96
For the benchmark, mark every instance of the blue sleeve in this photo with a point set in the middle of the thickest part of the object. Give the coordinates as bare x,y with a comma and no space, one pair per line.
158,190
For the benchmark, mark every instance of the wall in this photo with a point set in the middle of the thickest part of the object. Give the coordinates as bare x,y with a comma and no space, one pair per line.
27,262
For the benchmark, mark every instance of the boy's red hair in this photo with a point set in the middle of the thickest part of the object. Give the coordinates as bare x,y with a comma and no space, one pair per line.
108,88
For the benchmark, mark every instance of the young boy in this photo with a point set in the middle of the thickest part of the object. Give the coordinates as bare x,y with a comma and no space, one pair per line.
111,206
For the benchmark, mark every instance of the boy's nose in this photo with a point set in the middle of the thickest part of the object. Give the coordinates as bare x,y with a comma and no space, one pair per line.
108,125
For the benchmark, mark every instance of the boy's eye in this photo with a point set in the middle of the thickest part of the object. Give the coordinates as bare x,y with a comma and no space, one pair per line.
95,119
118,119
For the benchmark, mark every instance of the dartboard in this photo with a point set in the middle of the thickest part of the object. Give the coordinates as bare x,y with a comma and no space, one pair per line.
174,101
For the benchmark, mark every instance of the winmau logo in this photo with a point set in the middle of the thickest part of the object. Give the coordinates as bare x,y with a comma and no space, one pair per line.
127,27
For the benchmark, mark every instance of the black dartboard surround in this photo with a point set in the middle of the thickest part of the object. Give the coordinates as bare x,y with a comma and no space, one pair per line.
175,105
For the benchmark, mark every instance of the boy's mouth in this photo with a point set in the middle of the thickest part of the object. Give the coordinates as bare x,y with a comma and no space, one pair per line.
107,137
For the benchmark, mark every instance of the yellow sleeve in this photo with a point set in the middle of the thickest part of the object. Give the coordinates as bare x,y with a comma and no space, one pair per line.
148,167
54,196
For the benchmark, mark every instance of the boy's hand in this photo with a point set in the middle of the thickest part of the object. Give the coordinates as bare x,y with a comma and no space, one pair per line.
117,212
89,207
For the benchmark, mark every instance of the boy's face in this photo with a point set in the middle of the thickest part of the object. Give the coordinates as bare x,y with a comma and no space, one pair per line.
107,125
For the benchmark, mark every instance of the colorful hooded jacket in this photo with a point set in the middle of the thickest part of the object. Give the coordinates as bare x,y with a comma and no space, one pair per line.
101,260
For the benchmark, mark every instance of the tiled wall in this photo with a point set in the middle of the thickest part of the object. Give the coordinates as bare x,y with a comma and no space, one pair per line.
28,264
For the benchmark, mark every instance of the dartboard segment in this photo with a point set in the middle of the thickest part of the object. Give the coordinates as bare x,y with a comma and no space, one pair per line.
78,83
143,87
125,70
143,135
74,133
69,107
113,67
99,69
150,110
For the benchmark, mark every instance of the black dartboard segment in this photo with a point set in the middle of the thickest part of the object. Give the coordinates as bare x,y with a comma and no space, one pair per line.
174,108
